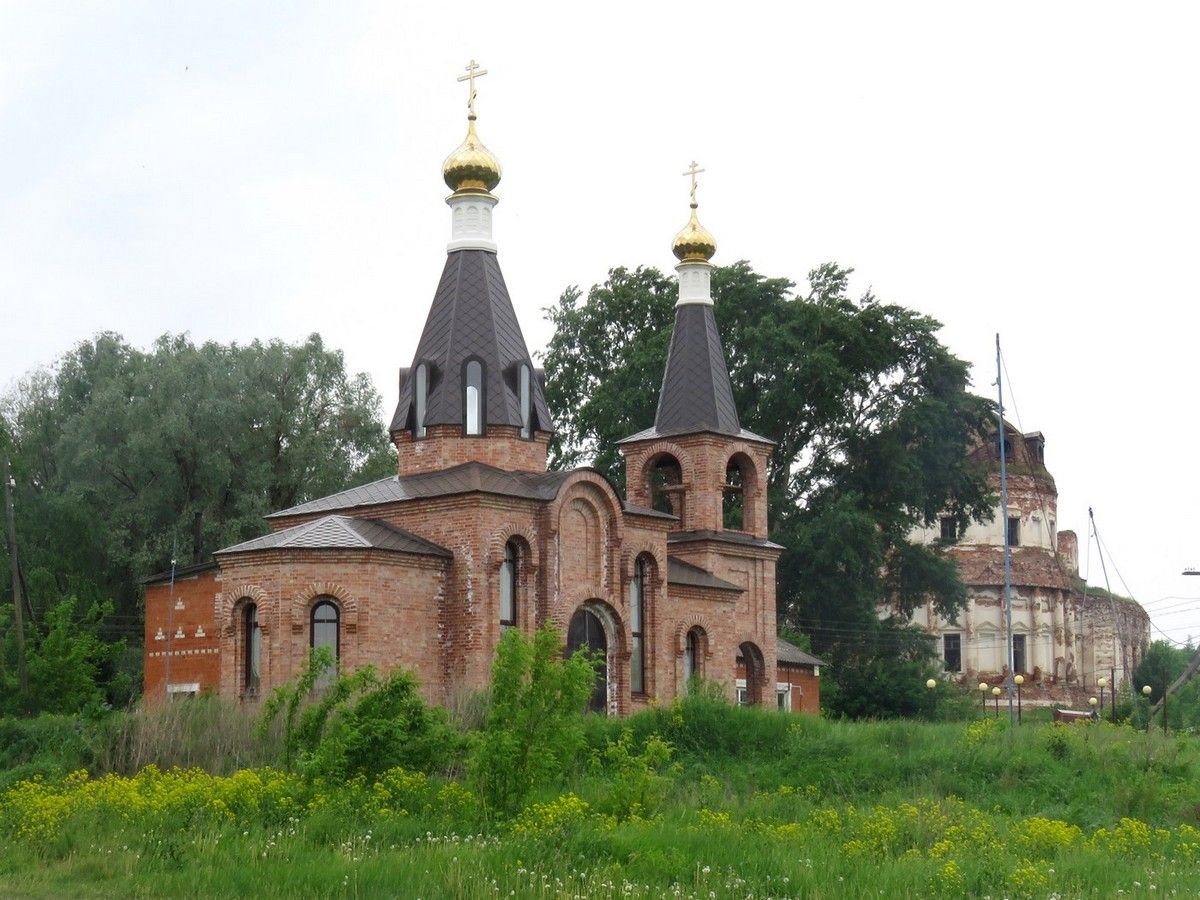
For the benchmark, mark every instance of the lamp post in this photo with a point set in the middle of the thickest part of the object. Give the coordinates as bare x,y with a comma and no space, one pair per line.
1092,701
1018,681
1165,688
983,696
1146,692
1101,683
931,684
996,692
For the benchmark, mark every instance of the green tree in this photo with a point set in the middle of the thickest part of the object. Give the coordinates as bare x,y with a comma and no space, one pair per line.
870,415
534,727
121,455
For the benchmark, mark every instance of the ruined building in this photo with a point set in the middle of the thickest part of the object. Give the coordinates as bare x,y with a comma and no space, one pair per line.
1064,637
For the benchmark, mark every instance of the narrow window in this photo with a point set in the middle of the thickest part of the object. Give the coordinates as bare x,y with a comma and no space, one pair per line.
949,529
473,399
1018,653
783,696
689,657
637,596
743,693
508,587
1014,531
325,633
526,403
252,645
732,507
420,396
952,652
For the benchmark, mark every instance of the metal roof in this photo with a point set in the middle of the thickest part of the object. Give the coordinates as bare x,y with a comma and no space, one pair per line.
472,317
655,432
725,537
341,532
786,652
696,394
684,573
466,478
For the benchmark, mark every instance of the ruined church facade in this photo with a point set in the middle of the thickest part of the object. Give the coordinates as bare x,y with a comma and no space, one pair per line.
1064,636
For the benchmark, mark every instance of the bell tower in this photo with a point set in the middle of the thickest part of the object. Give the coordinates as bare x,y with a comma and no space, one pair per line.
698,463
471,393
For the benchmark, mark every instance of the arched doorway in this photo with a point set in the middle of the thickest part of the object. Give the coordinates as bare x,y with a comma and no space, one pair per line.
587,631
751,657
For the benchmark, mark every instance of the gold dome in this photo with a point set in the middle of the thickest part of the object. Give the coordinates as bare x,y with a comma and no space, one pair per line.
471,168
695,243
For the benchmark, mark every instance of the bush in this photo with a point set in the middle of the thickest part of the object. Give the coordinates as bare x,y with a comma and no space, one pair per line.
534,726
359,724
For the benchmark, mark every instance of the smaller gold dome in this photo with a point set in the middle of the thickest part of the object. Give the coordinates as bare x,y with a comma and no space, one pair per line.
471,168
695,243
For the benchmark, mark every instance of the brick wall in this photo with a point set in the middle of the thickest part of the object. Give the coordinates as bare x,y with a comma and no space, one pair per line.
184,629
445,446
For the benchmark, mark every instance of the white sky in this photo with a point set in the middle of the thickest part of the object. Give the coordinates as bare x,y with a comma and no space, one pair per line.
1027,168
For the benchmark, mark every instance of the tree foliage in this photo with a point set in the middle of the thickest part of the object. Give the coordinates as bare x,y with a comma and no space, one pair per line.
534,727
121,455
869,411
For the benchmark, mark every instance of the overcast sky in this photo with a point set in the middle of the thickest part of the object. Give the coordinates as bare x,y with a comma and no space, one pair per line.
239,172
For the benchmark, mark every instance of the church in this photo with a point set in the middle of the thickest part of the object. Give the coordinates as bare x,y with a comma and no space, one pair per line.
473,536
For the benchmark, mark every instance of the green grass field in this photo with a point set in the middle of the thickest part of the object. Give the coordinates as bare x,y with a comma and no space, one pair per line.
749,804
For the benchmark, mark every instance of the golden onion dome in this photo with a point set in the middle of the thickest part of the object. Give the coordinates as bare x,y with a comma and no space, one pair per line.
471,168
695,243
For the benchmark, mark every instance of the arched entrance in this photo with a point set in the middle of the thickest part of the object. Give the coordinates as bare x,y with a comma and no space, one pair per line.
587,631
752,659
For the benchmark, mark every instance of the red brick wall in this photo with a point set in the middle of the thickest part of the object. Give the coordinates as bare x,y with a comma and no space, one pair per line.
193,659
445,446
806,687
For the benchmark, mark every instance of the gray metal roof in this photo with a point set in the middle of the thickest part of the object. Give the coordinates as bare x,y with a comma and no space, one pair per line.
472,317
341,532
789,653
684,573
470,477
654,433
696,394
467,478
725,537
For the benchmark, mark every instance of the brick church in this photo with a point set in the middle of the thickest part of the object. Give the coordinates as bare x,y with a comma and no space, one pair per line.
427,569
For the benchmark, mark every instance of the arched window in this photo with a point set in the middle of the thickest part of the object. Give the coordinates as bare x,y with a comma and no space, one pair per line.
509,575
324,632
251,648
420,397
733,496
637,615
692,660
666,485
473,398
526,394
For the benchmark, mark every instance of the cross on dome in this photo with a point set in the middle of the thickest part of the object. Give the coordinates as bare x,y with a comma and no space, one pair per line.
473,72
693,170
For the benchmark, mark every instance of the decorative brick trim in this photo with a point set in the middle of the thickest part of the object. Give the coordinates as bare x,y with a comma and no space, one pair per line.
502,537
303,602
686,625
229,602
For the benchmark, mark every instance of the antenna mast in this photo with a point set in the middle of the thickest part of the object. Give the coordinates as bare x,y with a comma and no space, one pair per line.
1004,515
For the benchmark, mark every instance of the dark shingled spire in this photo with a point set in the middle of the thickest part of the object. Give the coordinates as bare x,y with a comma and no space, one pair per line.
472,317
696,394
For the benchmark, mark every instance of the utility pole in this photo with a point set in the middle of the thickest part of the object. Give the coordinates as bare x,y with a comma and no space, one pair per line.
1004,518
18,595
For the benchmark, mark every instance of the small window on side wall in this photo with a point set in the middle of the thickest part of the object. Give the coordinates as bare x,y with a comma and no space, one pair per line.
420,399
252,649
509,575
637,610
473,398
525,389
324,632
1014,531
949,529
952,652
733,510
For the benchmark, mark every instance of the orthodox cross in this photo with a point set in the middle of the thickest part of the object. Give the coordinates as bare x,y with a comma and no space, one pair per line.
473,72
693,170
